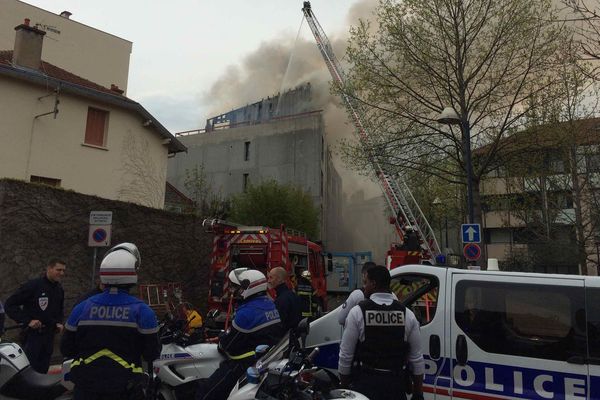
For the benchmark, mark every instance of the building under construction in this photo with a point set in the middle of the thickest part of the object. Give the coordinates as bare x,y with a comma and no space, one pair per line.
280,138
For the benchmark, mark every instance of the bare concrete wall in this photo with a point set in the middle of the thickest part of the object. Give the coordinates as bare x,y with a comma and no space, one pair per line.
39,222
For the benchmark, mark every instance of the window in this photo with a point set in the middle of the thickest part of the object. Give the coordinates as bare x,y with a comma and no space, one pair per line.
246,182
592,162
95,129
592,324
45,181
246,151
536,321
418,293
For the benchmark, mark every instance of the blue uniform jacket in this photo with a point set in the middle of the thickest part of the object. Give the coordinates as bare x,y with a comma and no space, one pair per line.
107,335
256,322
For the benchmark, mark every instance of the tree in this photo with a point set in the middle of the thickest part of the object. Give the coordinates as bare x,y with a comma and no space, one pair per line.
207,201
143,180
271,204
484,58
586,19
551,174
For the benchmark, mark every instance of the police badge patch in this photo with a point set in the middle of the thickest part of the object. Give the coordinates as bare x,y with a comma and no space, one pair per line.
43,303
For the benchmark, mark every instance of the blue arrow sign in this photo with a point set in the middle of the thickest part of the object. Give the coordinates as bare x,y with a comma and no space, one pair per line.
471,233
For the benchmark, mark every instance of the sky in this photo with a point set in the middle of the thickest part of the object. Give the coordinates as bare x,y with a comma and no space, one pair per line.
181,48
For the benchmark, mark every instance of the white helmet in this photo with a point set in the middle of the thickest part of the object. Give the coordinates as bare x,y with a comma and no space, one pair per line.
250,281
120,265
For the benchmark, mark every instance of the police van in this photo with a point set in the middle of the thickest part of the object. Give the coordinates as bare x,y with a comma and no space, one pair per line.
496,335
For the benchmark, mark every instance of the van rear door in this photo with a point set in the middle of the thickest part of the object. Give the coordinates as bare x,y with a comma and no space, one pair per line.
592,327
516,336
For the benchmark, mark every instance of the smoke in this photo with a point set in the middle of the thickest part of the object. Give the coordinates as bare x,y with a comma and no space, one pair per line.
285,63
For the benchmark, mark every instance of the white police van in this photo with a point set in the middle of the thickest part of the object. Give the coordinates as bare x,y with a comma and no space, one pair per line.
496,335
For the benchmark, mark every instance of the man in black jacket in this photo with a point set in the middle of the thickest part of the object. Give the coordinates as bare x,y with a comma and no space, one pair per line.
287,302
38,305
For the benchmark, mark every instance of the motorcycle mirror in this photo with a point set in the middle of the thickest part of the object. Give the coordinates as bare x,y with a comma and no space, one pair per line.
303,327
261,350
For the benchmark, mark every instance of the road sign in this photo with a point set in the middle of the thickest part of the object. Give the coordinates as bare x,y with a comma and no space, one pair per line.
472,251
99,235
471,233
100,217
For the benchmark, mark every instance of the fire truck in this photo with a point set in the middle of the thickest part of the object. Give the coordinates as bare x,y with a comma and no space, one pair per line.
406,213
263,248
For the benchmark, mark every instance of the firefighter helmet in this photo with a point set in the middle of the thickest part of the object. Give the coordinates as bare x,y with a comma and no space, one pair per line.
120,265
248,281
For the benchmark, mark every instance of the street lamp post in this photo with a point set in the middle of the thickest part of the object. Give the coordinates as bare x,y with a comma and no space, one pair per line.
450,117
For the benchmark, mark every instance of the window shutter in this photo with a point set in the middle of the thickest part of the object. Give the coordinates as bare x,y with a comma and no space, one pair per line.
96,127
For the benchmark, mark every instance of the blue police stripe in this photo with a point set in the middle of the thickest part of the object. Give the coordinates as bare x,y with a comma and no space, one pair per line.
507,380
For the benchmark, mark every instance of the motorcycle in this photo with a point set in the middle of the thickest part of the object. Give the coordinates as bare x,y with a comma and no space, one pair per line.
19,381
182,362
286,372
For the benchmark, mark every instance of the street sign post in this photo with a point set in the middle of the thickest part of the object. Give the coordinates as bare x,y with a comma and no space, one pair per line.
471,233
472,251
99,233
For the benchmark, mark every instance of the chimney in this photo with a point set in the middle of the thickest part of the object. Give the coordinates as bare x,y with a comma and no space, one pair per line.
116,89
28,46
66,14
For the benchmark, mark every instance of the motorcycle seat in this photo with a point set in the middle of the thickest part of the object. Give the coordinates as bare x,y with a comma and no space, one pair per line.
29,384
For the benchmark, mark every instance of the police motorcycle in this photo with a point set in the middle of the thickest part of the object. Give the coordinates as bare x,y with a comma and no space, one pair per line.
19,381
182,362
287,372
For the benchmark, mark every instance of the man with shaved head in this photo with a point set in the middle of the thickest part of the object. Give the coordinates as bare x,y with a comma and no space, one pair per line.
286,301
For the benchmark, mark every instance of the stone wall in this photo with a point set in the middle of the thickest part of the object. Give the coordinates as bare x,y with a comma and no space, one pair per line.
38,222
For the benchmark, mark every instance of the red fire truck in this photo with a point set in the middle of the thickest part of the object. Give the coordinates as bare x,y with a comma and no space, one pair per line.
262,248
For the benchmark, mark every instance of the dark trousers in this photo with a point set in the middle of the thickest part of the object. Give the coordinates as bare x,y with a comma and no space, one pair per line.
38,347
221,382
82,394
379,386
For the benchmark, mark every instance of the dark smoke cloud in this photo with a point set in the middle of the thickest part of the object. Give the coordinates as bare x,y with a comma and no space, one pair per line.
264,72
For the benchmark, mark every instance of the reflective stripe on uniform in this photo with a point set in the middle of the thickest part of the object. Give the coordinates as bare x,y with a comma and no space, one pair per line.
112,356
257,327
241,356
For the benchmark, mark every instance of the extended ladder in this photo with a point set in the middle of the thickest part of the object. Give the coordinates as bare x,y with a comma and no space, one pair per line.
397,194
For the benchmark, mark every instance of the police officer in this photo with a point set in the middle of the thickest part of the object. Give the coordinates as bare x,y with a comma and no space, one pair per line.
380,336
256,322
287,302
109,333
38,306
356,296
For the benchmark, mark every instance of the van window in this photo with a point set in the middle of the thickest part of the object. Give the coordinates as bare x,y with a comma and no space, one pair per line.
593,322
537,321
419,293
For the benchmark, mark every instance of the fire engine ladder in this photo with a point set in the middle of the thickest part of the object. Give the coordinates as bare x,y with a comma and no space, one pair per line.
397,194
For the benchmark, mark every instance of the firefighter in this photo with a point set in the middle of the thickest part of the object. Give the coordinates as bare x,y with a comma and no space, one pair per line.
307,296
38,306
380,336
256,322
411,241
109,333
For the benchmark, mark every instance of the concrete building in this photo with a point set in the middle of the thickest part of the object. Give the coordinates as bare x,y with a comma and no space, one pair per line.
80,49
530,201
61,129
262,141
